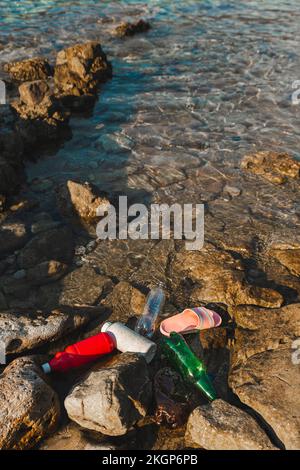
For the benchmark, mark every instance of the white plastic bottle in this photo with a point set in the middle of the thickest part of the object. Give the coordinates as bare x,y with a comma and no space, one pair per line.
127,340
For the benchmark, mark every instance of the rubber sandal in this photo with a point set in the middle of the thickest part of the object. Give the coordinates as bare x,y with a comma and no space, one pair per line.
190,320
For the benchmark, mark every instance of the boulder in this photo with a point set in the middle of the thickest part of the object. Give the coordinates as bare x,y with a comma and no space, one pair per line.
36,68
107,400
263,373
33,93
269,383
79,69
29,407
260,329
221,426
80,201
274,167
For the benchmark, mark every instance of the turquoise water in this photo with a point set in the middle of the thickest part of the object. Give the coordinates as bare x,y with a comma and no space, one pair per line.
212,80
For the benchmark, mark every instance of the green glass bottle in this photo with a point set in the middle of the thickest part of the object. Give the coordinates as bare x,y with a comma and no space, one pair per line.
189,366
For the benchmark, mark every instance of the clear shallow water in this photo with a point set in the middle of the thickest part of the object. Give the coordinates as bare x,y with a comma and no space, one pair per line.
212,79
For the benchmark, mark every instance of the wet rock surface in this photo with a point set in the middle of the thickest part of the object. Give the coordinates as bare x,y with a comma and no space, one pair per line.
29,407
29,69
79,202
214,427
107,400
130,29
79,69
274,167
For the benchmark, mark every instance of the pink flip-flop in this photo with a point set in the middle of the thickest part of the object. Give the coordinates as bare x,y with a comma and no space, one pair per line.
191,319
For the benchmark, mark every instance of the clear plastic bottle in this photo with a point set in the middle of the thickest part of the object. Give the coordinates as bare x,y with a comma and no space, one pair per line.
154,304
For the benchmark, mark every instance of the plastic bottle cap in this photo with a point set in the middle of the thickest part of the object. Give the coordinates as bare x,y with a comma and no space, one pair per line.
105,326
46,368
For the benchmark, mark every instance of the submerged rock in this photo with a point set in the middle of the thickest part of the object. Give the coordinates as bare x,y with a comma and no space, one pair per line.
79,69
23,280
41,114
213,275
125,301
221,426
112,398
56,244
274,167
130,29
29,407
36,68
13,236
83,286
80,201
11,151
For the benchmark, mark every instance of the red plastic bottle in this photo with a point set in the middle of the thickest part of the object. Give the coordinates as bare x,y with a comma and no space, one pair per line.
80,353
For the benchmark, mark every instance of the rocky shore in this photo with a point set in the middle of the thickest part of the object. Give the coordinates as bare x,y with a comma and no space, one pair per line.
59,284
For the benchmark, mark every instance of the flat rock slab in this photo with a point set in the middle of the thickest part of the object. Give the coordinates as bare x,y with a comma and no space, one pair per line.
112,399
29,407
56,244
83,286
22,331
216,276
274,167
221,426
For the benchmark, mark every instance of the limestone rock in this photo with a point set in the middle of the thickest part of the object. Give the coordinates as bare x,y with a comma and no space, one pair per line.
33,93
290,258
36,68
213,275
269,383
261,329
56,244
274,167
80,68
13,236
221,426
81,201
262,373
125,301
23,280
25,330
108,400
29,407
83,286
130,29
